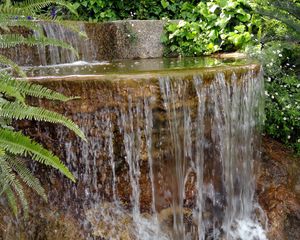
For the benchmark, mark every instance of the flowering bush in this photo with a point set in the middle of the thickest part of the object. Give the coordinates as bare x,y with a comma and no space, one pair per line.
282,91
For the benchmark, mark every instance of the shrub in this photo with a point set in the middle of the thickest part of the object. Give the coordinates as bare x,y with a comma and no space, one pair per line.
226,25
104,10
282,91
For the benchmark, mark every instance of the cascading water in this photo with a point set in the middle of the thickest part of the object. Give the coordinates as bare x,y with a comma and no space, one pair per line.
169,156
51,55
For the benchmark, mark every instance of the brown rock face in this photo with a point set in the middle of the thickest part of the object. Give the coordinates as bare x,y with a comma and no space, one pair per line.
114,112
276,190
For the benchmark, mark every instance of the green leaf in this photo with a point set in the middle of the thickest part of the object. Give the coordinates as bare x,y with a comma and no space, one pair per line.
164,3
18,144
20,111
29,89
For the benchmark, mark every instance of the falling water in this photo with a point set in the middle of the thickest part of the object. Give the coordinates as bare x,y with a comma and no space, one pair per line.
174,159
50,55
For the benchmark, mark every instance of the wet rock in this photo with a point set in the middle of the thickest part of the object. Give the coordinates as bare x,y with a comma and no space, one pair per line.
277,190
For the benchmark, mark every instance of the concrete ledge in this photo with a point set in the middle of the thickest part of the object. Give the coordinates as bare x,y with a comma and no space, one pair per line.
126,39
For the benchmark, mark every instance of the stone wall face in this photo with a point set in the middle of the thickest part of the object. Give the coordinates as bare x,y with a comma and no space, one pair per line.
126,39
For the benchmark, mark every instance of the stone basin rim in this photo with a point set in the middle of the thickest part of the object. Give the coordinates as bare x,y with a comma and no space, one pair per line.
150,74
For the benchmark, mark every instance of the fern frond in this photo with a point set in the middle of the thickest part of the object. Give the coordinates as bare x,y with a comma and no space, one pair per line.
13,11
36,5
13,40
7,62
30,89
283,17
8,178
17,143
6,24
31,7
20,112
11,199
27,177
11,91
288,6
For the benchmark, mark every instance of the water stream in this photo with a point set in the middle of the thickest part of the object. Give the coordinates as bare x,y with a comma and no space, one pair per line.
171,156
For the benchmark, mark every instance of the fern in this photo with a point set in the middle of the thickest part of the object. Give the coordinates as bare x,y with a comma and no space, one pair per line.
11,199
29,89
7,62
28,178
18,144
7,23
31,7
13,40
287,12
13,92
8,178
34,6
21,112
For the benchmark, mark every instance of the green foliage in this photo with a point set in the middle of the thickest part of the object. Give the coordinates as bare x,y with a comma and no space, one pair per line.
287,12
23,14
282,91
280,55
14,145
226,25
104,10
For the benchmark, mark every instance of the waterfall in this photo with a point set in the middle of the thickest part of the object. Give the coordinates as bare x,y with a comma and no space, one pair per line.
167,158
51,55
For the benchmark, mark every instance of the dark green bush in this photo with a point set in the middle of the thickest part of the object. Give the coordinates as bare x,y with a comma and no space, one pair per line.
212,26
103,10
282,91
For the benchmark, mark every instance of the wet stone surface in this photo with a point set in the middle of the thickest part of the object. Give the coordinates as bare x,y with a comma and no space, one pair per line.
114,113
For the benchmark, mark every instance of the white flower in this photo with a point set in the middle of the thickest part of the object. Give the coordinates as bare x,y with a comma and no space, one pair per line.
181,23
288,137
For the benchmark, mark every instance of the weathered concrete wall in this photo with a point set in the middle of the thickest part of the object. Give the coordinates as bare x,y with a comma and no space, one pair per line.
127,39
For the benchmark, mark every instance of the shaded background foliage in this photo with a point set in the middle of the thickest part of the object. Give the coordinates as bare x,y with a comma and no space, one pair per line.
102,10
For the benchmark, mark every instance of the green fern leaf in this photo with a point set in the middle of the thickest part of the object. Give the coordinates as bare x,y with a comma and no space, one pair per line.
36,5
8,178
11,199
27,177
19,111
11,91
7,23
17,143
30,89
7,62
13,40
31,7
